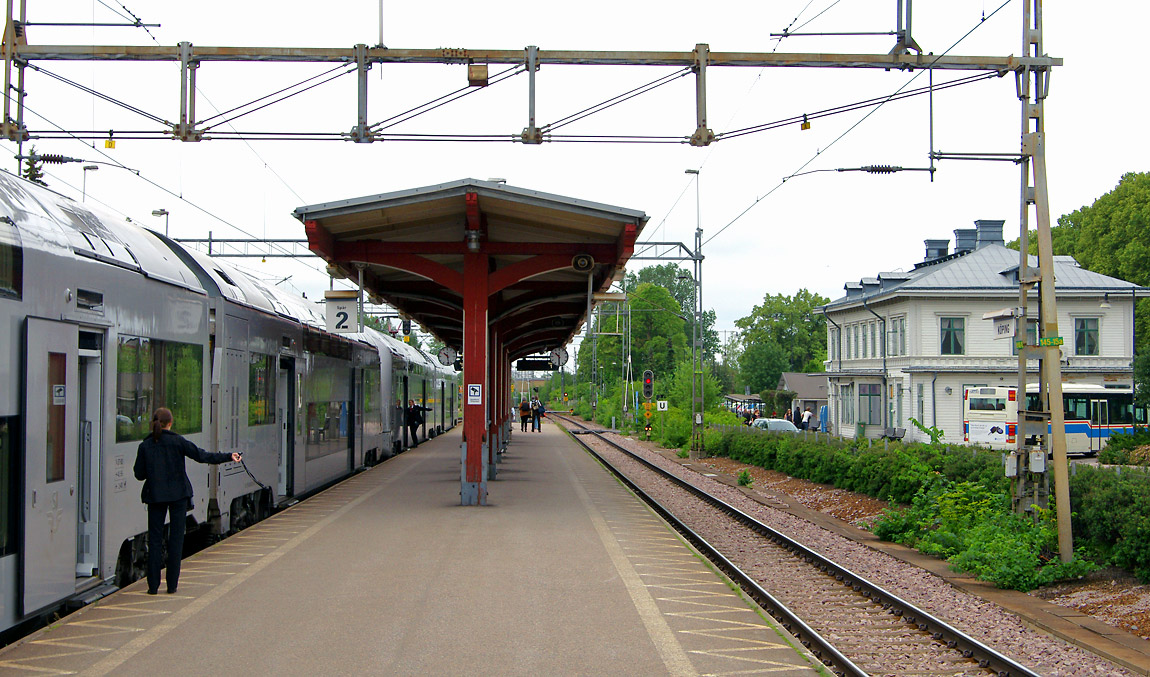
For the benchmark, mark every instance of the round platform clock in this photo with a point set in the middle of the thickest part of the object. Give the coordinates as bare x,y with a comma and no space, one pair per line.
558,357
447,356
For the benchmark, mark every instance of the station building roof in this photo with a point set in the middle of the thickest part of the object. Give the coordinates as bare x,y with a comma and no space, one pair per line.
541,250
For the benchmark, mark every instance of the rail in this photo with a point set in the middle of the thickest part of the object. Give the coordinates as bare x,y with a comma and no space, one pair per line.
940,630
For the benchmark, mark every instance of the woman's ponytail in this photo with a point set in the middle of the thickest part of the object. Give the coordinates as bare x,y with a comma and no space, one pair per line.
160,420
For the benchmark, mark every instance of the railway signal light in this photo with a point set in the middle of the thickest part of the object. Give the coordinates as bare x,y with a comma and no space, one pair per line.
648,384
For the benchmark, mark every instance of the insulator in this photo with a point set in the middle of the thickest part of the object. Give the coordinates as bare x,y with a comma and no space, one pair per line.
54,159
882,169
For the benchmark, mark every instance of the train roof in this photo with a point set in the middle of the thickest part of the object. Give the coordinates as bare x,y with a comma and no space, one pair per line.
52,223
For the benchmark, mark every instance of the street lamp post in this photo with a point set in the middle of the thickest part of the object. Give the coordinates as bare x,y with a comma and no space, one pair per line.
84,183
163,213
697,377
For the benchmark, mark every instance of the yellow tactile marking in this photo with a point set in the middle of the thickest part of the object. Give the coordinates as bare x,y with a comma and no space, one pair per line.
687,590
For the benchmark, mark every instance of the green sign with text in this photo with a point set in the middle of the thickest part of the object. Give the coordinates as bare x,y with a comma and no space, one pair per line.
1042,343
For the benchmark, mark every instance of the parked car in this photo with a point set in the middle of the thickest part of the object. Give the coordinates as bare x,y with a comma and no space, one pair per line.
779,425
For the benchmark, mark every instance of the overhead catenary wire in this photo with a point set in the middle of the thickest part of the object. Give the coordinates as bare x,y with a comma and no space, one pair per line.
100,95
850,129
615,100
114,162
284,98
268,96
735,112
443,100
846,108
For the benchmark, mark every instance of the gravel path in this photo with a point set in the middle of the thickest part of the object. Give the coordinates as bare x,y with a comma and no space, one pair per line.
975,616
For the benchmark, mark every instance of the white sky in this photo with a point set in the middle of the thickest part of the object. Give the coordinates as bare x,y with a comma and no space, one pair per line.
816,231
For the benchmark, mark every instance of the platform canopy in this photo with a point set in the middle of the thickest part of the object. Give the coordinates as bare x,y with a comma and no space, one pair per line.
540,249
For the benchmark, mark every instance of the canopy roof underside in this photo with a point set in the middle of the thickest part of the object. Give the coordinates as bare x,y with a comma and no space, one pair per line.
540,248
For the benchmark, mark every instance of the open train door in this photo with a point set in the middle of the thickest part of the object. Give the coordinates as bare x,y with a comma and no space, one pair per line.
51,458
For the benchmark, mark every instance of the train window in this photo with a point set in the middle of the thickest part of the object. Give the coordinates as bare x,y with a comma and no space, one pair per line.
371,392
224,277
11,261
55,451
9,485
261,390
90,300
325,407
152,374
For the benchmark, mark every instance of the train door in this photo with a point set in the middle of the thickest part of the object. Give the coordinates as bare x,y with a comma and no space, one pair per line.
442,406
91,400
285,403
51,451
423,403
407,442
1099,420
353,418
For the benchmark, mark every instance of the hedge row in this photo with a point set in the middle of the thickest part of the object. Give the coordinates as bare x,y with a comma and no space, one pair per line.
960,503
886,470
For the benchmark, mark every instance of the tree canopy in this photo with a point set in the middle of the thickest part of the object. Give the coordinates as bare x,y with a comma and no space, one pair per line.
1112,237
783,333
681,285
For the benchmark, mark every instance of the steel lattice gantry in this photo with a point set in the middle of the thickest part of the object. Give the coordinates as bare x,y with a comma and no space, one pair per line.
495,271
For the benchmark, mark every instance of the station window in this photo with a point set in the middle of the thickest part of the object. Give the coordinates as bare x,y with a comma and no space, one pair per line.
9,485
152,374
11,262
1086,336
953,335
261,390
847,396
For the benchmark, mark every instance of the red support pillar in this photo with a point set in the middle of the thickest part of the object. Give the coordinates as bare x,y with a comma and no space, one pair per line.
476,385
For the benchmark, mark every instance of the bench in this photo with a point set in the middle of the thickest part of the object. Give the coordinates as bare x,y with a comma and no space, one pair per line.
893,433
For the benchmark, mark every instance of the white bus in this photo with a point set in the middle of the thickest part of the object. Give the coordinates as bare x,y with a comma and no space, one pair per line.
1092,413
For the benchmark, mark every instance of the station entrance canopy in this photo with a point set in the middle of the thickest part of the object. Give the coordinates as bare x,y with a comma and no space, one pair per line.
494,271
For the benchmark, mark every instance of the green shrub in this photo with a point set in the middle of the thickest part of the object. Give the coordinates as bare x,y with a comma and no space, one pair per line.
959,502
745,479
1112,516
1140,437
976,531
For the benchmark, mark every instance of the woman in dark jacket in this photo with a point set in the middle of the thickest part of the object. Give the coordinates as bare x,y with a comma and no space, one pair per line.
167,490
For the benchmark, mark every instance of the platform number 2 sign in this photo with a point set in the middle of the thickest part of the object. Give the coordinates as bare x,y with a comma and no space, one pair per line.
342,316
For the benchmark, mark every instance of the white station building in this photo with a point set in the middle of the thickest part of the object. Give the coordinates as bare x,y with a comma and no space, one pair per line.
904,344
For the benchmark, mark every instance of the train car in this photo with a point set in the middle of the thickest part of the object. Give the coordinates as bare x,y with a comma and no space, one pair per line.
101,323
117,321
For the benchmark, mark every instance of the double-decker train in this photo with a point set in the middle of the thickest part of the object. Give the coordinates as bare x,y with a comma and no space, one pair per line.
101,322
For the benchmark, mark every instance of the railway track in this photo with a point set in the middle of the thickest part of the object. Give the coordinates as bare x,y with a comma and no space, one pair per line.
851,625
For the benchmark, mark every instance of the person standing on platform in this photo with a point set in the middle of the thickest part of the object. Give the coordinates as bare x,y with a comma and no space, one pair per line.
807,416
167,490
415,419
536,407
524,415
